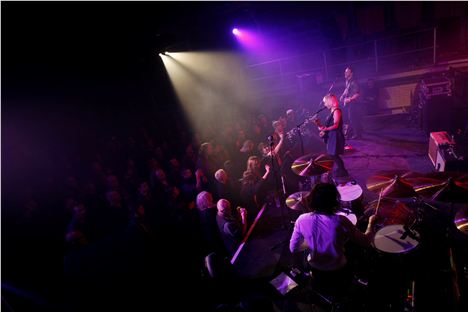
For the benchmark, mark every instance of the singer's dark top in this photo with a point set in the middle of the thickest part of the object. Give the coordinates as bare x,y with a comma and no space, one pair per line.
336,140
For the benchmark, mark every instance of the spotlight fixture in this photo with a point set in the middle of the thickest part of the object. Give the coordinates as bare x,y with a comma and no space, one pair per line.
236,31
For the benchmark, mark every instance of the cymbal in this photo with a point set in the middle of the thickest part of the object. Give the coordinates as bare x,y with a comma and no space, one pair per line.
312,165
297,201
461,220
445,175
396,184
450,191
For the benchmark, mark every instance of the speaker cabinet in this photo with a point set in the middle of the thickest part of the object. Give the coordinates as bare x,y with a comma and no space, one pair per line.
438,140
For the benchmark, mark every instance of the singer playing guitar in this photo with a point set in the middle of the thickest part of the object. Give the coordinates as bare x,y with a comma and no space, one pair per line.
332,133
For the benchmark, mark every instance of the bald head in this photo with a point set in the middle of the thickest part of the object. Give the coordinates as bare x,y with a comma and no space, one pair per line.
224,206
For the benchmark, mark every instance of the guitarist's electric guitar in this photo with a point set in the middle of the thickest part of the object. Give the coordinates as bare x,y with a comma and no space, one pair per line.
322,134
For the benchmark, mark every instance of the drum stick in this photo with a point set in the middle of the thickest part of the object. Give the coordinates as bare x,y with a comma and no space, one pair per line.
378,202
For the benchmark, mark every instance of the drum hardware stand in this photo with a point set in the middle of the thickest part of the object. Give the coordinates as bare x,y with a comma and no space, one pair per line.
298,130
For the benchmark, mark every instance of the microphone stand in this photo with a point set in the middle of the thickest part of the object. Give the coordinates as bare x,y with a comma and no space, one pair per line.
278,193
329,90
298,129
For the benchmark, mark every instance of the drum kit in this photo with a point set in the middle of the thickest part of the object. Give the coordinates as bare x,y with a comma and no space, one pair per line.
398,223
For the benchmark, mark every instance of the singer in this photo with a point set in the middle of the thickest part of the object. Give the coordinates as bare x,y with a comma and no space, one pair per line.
333,134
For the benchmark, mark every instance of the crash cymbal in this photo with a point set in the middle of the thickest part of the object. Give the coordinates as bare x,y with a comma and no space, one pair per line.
392,184
312,165
297,201
450,191
461,220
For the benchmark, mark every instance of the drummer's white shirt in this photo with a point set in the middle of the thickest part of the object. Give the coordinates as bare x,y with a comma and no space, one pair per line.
324,236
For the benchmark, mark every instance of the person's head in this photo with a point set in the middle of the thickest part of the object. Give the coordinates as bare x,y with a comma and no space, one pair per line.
348,73
277,125
224,206
174,163
186,173
330,101
221,176
253,164
247,147
204,200
160,174
206,149
229,166
290,114
324,198
262,119
114,199
263,148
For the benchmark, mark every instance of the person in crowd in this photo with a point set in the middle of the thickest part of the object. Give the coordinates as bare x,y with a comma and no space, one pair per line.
322,234
291,119
252,192
232,230
207,212
224,188
207,164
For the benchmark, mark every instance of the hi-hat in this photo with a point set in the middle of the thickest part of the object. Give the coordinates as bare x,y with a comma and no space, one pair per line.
297,201
449,191
461,220
395,184
312,165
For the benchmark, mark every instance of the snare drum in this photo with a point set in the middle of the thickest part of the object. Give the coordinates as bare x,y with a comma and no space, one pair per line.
351,195
349,215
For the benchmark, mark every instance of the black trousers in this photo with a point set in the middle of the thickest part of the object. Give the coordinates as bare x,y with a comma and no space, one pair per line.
339,169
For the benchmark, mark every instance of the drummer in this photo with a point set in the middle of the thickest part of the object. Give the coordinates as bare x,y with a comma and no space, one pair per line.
323,234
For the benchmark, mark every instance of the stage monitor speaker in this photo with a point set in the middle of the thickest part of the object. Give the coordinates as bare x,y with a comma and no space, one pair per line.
448,160
438,140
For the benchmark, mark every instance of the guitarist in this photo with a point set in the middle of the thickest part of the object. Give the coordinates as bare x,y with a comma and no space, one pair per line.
332,133
351,101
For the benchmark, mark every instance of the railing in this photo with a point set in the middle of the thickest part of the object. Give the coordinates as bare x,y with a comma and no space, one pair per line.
381,56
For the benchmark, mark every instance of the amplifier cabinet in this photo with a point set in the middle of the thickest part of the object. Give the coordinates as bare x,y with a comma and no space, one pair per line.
436,141
447,161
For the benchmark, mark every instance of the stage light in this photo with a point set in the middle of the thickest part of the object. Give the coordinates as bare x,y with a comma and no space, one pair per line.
236,32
